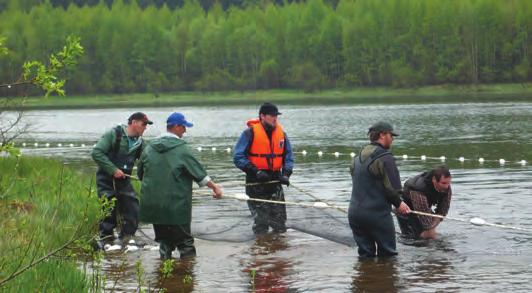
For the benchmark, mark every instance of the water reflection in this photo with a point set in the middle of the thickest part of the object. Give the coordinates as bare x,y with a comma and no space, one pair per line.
267,273
375,275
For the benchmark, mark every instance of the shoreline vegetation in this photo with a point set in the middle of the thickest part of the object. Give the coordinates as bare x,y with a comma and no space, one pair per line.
515,92
48,215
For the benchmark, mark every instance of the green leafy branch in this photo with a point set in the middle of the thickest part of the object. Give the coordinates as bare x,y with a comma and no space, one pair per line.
47,77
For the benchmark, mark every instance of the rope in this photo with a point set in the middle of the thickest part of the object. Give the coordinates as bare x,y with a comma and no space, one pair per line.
323,204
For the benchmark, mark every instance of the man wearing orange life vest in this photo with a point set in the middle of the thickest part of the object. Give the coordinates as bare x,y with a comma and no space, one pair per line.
264,153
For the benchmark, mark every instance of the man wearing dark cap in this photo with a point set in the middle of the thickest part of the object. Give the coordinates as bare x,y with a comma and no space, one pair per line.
264,153
376,186
115,154
167,168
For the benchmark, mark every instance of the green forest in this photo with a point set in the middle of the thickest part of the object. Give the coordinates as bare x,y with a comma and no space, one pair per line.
169,46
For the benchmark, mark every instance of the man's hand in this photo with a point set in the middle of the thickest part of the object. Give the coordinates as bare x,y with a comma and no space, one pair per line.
263,176
118,174
217,191
403,209
284,180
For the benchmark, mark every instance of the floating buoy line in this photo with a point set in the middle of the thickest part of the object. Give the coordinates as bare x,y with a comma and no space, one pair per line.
304,153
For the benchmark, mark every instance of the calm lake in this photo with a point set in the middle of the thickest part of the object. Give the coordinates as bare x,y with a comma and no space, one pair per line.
466,258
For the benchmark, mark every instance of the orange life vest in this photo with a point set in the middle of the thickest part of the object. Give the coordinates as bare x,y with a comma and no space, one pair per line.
263,153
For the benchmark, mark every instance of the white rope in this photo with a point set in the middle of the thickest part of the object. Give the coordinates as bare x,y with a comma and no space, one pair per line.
475,221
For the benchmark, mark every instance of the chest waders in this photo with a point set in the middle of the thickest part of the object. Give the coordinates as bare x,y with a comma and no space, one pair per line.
266,215
369,210
126,208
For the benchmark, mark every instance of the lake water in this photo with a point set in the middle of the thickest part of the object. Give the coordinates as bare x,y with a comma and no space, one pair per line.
465,258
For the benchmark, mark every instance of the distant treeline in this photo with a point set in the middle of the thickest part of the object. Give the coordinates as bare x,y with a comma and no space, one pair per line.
306,45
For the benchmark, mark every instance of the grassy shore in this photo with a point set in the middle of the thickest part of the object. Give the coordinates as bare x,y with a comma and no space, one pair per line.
48,214
377,95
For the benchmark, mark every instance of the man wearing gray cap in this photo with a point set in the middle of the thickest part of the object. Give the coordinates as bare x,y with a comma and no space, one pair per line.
376,186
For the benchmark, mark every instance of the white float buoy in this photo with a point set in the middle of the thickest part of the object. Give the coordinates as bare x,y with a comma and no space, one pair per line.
481,160
35,144
23,144
320,153
352,155
336,154
522,162
71,145
477,221
320,205
47,144
83,145
442,158
228,150
113,247
405,157
502,161
304,153
199,149
131,248
461,159
59,145
213,149
423,157
8,86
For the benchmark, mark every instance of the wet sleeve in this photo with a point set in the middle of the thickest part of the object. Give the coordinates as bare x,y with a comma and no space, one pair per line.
194,168
240,158
386,169
100,151
443,207
288,161
420,204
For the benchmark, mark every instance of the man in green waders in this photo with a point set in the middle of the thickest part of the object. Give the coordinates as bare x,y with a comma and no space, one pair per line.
167,169
115,153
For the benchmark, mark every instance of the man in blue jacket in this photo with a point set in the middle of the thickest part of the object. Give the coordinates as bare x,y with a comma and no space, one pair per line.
264,153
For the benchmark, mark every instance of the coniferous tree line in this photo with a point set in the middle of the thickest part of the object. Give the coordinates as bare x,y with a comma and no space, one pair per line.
305,45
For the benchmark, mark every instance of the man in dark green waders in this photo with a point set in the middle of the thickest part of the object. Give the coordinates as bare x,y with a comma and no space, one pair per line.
115,153
376,186
167,169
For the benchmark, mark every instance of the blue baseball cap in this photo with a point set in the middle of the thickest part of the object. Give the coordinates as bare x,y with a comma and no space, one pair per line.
177,118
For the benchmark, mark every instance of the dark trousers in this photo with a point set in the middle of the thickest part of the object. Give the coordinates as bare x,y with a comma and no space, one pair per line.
375,236
171,237
125,211
266,215
410,226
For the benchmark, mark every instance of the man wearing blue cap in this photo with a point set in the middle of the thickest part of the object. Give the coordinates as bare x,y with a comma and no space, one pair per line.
167,169
376,187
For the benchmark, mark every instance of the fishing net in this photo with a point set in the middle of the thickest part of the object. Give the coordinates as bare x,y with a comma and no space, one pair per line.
230,219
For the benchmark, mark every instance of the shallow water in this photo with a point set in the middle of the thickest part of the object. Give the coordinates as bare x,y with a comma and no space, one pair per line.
466,258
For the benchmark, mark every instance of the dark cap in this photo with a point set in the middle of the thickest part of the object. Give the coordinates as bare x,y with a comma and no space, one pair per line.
382,127
269,109
139,116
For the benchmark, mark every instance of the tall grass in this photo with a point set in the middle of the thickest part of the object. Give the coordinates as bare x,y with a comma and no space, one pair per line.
48,216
